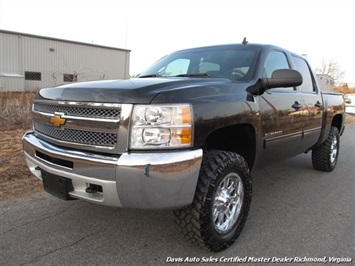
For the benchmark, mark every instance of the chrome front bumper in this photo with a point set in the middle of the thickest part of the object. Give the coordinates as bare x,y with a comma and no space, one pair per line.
133,180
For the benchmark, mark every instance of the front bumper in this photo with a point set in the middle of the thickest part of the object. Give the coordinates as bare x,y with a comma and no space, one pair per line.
134,180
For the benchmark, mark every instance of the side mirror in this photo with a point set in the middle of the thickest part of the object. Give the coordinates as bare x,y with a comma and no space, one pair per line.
283,78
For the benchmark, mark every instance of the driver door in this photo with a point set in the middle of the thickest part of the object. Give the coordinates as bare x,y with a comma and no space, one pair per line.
281,115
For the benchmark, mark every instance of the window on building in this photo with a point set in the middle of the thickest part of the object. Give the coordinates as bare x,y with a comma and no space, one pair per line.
29,75
70,77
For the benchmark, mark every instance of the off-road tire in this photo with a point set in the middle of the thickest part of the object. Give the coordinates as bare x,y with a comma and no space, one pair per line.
196,220
325,157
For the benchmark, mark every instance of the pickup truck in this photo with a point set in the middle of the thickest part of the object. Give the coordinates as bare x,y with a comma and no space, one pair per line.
185,134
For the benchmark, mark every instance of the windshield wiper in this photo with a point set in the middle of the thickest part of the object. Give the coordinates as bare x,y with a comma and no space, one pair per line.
193,75
150,76
196,75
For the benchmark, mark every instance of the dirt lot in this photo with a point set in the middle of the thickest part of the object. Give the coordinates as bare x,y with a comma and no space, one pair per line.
15,178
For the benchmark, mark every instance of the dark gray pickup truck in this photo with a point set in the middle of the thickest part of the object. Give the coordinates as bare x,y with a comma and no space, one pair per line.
185,134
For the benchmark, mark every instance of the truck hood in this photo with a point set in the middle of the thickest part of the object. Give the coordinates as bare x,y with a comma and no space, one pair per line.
136,90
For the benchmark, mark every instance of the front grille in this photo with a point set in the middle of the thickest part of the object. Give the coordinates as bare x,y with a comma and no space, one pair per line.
77,136
92,112
87,125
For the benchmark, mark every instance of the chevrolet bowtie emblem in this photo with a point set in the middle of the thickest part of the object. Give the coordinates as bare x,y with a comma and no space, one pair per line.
57,121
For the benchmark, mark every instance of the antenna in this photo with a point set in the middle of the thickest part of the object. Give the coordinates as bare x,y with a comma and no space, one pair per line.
245,40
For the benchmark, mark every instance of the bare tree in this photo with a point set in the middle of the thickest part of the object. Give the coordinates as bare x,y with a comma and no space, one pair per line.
331,68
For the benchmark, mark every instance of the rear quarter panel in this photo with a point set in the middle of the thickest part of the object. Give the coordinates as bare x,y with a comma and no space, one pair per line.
334,113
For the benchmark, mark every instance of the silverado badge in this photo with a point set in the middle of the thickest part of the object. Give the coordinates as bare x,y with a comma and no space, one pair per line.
57,121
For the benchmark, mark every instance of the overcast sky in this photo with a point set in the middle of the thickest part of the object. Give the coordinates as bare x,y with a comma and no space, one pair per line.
152,28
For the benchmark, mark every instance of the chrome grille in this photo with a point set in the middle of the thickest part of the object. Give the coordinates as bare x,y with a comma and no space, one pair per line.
77,136
92,112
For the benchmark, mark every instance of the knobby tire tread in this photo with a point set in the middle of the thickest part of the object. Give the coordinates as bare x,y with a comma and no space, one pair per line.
321,154
190,219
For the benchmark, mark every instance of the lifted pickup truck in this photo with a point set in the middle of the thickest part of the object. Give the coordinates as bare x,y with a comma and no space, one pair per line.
185,134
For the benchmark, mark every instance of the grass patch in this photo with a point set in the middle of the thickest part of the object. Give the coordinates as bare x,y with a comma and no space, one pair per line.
15,110
16,180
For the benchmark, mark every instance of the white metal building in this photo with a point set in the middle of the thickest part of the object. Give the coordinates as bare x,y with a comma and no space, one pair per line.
29,62
325,82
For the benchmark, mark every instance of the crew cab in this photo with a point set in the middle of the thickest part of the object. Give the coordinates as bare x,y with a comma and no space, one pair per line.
185,134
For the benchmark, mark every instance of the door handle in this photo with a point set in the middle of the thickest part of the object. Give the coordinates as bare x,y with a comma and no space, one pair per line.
296,105
318,104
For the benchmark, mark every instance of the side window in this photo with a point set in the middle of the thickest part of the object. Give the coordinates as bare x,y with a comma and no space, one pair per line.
177,67
275,60
206,67
302,67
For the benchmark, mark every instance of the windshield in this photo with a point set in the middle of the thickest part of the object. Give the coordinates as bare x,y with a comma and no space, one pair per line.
234,62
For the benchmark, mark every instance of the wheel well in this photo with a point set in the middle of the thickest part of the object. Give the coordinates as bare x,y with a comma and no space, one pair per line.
238,138
337,121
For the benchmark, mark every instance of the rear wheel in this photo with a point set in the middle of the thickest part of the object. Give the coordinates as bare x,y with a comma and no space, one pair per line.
221,204
325,157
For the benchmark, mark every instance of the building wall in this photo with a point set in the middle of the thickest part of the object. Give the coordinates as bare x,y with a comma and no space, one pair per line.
23,56
325,82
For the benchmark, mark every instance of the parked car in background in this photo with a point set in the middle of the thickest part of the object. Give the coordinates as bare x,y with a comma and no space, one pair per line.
349,103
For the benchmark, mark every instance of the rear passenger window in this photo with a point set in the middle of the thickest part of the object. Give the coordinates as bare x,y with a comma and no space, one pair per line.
207,67
302,67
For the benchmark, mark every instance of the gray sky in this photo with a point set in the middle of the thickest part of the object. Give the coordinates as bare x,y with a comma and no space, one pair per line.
151,29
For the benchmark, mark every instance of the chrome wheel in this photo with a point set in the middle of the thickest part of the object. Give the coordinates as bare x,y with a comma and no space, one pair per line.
334,149
217,216
227,203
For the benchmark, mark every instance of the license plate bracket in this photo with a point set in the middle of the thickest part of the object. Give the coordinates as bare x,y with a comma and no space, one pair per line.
57,186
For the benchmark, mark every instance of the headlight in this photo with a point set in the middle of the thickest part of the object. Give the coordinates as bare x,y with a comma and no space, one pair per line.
154,126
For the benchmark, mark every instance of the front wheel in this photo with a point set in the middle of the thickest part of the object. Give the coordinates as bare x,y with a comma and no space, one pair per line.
325,157
221,204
